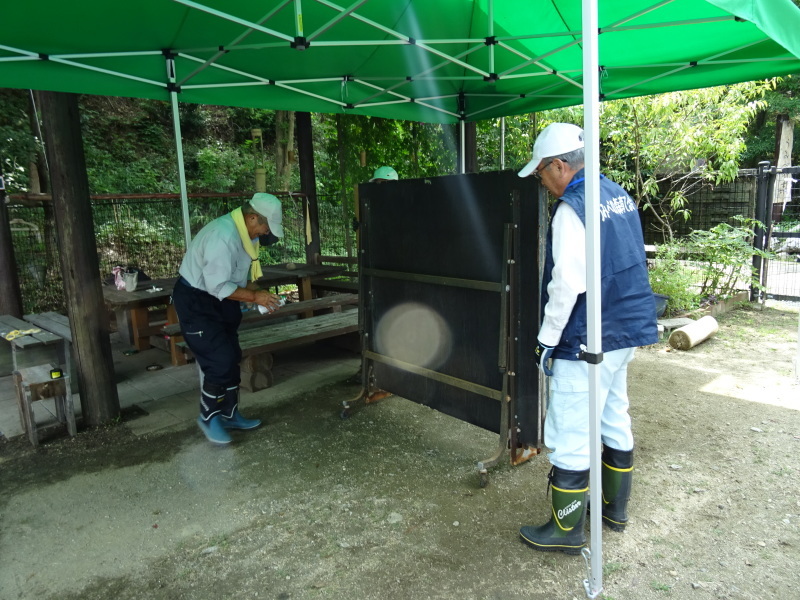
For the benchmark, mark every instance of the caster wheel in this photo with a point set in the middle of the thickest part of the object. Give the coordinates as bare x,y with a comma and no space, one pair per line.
484,479
345,414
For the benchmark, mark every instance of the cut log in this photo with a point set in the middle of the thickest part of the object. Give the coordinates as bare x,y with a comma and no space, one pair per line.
690,335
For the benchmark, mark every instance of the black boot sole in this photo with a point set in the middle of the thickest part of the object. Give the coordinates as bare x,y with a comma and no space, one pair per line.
571,550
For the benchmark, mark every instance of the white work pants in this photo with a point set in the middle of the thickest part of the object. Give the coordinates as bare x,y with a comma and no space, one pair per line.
566,428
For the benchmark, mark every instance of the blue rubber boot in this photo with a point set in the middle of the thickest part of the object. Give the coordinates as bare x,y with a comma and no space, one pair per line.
237,421
214,430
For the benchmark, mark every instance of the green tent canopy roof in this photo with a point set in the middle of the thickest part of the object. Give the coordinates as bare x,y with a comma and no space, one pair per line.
424,60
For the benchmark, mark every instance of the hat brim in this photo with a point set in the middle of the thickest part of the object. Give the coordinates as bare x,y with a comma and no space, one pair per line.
530,167
276,230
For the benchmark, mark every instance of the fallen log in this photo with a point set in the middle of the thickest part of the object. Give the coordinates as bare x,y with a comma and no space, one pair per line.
690,335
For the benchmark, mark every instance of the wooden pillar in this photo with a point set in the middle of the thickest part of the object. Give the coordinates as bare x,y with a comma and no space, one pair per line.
79,265
470,147
10,299
308,185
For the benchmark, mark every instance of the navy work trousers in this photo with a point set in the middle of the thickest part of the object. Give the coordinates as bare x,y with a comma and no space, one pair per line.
210,328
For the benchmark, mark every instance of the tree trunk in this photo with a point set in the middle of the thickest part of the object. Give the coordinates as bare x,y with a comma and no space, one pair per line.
10,299
79,265
308,185
284,148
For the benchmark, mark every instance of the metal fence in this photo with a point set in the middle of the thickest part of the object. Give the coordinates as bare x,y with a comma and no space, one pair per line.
768,194
779,209
708,205
147,233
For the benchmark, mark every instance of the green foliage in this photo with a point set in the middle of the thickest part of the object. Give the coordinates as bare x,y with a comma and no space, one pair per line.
661,148
17,144
671,277
412,149
784,99
725,254
222,168
519,137
156,246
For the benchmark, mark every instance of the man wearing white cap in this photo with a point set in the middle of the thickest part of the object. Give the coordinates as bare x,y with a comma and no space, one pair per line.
213,281
628,321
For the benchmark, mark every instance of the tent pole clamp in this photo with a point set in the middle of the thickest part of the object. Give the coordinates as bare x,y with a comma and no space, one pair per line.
587,586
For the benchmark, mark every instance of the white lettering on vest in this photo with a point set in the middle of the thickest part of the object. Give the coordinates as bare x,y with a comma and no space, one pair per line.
617,206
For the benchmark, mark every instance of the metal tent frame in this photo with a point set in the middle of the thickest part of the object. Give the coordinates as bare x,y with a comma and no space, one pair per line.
446,61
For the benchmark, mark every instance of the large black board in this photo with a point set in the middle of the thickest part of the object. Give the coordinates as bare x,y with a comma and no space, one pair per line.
433,265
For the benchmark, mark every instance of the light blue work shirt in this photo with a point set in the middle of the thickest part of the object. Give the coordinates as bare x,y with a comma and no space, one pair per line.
216,261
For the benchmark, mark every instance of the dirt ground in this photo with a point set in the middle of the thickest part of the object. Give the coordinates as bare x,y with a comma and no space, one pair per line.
387,504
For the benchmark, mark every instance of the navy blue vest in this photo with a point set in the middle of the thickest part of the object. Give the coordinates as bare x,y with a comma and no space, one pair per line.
627,304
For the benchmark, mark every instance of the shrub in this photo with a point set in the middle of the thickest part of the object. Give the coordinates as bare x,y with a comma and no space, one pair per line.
725,255
671,277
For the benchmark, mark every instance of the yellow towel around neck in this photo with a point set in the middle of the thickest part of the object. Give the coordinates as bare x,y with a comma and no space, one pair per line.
250,246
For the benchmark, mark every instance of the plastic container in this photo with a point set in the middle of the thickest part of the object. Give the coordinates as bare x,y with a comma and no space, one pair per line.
264,310
661,304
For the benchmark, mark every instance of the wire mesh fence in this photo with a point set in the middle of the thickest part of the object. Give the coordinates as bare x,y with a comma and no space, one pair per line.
147,233
708,205
782,272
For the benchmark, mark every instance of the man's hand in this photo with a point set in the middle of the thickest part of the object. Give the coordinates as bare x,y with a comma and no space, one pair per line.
267,300
543,354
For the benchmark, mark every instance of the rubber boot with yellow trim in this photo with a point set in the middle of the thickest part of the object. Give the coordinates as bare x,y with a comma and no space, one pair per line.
564,531
617,473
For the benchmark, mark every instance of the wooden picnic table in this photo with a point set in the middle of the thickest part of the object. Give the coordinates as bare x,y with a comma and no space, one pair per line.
135,320
132,310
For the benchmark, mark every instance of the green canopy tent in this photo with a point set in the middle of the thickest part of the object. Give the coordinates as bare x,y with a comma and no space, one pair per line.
442,61
424,60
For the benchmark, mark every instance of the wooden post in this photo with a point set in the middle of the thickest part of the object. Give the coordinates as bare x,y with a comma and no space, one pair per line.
308,185
79,265
10,299
471,147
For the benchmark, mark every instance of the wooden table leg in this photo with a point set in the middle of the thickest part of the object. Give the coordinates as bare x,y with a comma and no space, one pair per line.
304,293
124,326
140,322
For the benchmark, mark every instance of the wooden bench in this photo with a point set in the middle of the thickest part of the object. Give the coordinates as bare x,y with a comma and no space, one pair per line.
37,357
253,318
259,341
27,350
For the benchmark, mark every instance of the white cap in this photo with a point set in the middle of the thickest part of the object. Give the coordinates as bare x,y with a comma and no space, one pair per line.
556,139
269,207
384,173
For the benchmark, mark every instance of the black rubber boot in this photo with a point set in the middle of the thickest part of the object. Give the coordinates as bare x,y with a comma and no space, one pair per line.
617,473
564,531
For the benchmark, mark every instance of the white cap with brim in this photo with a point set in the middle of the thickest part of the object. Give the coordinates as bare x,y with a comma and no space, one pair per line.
269,207
556,139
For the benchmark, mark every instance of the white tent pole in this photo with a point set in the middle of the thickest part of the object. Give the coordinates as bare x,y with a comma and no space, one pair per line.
502,143
176,126
462,162
591,126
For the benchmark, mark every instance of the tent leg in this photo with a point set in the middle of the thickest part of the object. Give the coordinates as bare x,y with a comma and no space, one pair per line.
591,109
176,126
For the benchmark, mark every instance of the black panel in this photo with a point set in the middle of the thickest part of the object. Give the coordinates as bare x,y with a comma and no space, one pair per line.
452,229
